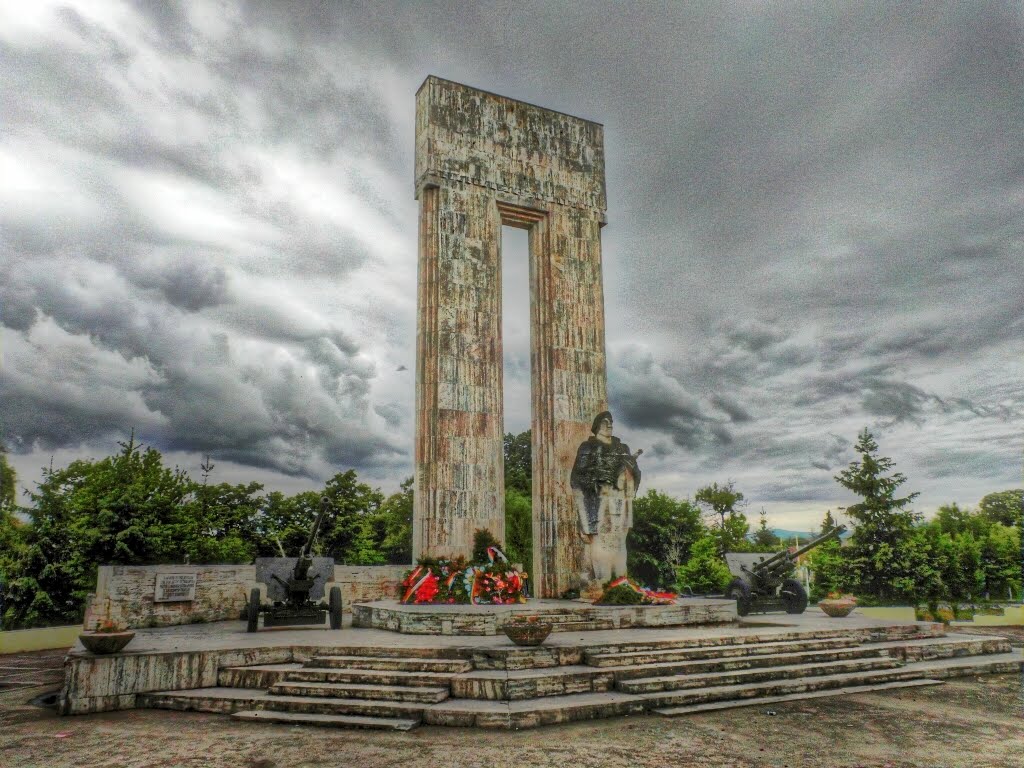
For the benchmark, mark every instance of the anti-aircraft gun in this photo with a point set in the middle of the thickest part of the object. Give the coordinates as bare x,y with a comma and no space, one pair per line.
294,595
763,582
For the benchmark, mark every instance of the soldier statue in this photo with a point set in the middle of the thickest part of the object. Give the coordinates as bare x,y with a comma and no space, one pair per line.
604,480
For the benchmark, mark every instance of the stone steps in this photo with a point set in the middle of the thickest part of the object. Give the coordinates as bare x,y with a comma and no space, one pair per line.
996,663
536,707
898,632
403,693
638,658
749,661
761,689
371,677
333,721
949,647
764,700
258,676
404,664
530,684
760,674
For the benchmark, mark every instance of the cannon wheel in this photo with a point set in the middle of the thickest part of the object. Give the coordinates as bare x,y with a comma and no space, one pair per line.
335,608
794,596
739,591
253,612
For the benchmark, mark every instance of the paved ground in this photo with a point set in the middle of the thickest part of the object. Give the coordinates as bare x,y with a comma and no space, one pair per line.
26,670
224,635
975,722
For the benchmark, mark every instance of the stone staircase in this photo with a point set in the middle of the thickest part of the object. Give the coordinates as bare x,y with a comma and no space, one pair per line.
510,687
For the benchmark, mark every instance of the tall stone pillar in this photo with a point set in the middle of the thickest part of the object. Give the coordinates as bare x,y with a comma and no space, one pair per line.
482,161
460,481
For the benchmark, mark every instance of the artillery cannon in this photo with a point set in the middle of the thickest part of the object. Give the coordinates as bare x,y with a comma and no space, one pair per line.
763,582
296,597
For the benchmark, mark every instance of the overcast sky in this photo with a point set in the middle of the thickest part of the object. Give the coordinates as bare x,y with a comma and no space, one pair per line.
208,233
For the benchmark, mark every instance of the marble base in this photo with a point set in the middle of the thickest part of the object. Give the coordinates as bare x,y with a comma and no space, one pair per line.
567,615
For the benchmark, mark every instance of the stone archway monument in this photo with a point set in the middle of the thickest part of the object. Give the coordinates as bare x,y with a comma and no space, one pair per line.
483,161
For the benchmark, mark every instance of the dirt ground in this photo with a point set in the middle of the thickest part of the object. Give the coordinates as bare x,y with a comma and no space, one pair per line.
974,721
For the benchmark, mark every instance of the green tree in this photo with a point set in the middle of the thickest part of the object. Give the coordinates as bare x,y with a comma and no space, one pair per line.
827,523
1003,507
883,524
722,503
395,525
664,529
519,529
519,499
829,569
348,537
1001,561
519,462
704,571
765,539
120,510
922,561
283,523
8,483
12,531
219,523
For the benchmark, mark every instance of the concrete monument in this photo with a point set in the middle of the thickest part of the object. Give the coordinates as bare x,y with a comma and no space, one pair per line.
604,480
482,161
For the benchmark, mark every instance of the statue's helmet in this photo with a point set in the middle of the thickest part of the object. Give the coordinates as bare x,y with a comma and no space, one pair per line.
602,416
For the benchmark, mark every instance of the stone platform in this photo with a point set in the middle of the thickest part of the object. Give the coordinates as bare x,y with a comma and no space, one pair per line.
369,678
564,615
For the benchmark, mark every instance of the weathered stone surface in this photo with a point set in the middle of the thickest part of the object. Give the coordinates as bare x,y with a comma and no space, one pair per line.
126,594
488,620
482,161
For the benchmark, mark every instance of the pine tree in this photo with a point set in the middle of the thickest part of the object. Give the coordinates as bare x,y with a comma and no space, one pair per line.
883,523
765,539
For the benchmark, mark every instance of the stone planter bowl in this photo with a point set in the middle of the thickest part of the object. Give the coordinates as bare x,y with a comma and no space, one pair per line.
837,608
105,642
527,633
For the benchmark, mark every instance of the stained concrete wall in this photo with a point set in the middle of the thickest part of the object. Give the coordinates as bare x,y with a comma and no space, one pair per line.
484,160
125,593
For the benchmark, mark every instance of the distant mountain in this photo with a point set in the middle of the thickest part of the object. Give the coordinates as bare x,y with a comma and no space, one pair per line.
788,535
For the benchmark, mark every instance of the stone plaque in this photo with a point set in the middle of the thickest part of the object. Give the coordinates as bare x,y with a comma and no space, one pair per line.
175,588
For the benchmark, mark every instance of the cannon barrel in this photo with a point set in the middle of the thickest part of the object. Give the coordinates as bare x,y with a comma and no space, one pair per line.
325,507
785,557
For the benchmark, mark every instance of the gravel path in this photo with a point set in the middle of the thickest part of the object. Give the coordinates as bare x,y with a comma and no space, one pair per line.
969,722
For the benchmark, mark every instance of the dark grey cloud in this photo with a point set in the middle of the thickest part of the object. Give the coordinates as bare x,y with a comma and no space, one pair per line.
815,225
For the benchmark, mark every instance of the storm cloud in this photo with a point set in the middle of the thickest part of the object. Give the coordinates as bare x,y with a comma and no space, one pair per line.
208,232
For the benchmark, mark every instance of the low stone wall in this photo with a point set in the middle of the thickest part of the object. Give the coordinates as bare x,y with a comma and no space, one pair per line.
366,583
126,593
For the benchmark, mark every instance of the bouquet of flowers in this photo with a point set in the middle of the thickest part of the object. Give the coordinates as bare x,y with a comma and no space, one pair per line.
625,591
495,582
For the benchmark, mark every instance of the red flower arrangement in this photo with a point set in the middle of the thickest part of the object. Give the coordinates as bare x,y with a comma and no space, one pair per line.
637,594
455,581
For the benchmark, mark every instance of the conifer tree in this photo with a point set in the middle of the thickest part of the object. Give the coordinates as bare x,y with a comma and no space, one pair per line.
883,523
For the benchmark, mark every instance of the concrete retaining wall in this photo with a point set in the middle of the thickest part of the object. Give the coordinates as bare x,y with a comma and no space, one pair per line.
125,594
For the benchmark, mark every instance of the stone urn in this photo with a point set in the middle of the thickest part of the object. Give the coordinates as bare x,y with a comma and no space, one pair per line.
530,631
838,607
105,642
